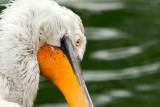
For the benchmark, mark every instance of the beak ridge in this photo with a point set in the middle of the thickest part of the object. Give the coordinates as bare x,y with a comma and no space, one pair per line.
72,55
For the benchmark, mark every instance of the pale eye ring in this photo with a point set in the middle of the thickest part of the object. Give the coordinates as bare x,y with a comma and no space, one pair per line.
78,42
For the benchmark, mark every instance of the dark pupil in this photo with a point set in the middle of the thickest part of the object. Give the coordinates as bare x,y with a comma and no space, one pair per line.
78,42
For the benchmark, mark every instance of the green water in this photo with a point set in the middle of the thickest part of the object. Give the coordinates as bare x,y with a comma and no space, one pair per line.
122,60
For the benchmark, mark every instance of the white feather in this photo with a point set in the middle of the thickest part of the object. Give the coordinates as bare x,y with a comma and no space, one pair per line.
4,103
25,26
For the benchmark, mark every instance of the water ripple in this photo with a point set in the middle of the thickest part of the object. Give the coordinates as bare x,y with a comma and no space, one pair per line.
120,93
90,5
148,87
53,105
117,53
100,6
110,96
101,99
128,73
103,33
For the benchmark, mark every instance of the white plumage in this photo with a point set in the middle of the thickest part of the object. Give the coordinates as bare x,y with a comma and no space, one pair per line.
4,103
25,26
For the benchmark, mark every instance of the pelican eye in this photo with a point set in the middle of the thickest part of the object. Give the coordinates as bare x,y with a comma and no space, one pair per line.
78,41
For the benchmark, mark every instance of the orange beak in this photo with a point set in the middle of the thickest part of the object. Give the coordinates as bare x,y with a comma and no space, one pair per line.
64,71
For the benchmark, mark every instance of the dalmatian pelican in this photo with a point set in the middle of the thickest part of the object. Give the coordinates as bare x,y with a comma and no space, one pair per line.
39,36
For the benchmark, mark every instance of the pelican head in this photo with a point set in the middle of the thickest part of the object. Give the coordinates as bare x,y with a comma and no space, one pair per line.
41,36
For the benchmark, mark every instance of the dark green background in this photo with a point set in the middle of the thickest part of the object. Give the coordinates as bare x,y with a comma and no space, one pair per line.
125,73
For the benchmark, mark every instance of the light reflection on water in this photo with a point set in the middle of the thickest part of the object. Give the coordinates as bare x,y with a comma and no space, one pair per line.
54,105
115,54
101,99
91,5
100,6
107,97
127,73
93,33
148,87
